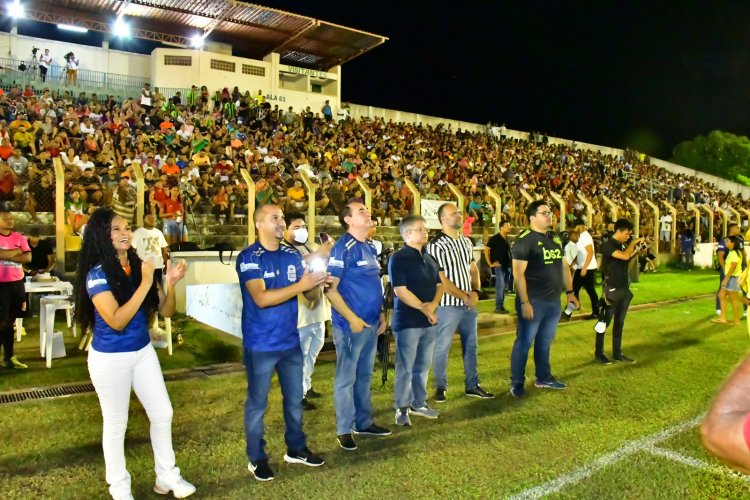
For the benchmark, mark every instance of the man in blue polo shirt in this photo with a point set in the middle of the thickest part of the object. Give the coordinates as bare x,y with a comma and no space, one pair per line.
271,277
415,276
356,298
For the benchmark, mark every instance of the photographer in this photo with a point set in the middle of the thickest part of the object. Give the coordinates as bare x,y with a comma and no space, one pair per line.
616,295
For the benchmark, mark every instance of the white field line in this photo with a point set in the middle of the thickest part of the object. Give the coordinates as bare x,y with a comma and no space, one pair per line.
557,484
697,463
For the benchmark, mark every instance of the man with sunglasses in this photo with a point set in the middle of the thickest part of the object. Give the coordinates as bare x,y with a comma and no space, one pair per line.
540,274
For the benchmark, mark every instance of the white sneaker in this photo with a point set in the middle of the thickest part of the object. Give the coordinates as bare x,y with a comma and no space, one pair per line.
424,411
179,487
600,327
125,496
718,312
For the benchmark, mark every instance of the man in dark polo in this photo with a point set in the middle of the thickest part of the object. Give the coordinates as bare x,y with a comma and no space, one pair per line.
415,277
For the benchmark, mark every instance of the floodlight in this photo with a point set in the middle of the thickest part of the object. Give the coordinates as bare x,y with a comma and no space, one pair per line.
70,27
15,9
121,28
197,41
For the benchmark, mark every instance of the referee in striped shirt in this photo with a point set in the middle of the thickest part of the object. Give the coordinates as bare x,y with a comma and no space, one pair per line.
454,253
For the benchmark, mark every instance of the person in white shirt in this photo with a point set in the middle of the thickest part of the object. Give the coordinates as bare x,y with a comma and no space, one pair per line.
45,62
71,66
666,227
311,316
571,250
585,275
149,242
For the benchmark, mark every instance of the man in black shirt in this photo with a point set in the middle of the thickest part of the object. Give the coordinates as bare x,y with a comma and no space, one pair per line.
540,274
416,282
497,253
616,295
42,255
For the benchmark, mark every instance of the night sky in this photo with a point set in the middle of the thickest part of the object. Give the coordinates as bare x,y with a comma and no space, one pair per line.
645,75
627,74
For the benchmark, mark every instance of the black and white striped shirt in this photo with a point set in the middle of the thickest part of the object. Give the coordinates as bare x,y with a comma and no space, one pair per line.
454,256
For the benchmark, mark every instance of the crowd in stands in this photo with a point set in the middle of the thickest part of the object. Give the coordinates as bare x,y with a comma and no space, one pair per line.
191,148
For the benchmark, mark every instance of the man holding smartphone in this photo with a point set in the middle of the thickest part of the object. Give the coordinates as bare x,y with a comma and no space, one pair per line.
311,314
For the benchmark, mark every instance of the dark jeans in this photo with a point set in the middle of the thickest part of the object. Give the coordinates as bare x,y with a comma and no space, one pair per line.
588,283
721,278
499,287
541,331
260,367
12,306
615,305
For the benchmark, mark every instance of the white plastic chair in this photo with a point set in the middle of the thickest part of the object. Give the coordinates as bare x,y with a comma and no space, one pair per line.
48,306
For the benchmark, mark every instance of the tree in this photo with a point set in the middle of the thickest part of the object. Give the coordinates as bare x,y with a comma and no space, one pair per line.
719,153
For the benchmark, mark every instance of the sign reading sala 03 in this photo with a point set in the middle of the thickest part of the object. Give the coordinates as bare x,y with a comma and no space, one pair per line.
309,72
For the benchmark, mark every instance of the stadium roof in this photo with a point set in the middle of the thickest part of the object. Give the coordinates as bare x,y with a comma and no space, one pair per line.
256,30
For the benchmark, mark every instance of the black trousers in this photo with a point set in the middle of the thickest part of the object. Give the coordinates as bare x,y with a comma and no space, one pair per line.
614,308
588,283
12,306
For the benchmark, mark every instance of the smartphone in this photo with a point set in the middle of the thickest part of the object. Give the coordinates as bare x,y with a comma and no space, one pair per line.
323,237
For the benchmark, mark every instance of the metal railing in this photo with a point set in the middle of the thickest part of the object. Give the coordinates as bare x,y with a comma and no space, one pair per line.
20,72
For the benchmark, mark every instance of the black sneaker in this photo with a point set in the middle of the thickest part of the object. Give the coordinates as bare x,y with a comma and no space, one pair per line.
624,359
601,358
308,405
502,310
346,441
373,430
439,395
304,457
517,390
260,470
311,394
478,392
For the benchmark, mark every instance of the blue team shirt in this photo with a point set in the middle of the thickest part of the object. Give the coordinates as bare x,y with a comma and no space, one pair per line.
106,339
271,328
355,263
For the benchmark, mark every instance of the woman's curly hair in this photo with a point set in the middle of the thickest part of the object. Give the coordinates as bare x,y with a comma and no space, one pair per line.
97,249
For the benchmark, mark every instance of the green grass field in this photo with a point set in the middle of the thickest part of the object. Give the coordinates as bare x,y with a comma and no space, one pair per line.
476,449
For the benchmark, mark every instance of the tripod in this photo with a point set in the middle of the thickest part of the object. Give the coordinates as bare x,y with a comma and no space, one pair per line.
384,341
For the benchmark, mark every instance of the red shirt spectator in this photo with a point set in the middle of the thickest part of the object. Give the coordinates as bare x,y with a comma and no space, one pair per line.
6,150
172,207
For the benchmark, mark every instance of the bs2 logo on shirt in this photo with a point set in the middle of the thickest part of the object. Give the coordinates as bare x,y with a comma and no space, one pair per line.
552,255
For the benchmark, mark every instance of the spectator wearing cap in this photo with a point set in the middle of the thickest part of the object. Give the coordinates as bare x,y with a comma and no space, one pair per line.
124,198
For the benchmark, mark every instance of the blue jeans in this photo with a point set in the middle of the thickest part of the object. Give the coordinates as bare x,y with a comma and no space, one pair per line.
414,348
540,331
451,318
721,278
311,342
260,367
355,359
499,287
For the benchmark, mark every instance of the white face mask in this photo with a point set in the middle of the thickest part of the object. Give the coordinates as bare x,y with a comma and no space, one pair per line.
300,235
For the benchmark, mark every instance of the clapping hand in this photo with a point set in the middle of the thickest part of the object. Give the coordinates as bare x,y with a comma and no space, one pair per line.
176,271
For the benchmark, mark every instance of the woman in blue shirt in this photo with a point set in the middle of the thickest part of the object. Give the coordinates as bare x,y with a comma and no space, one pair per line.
115,294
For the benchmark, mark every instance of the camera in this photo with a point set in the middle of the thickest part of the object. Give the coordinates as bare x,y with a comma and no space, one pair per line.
641,246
